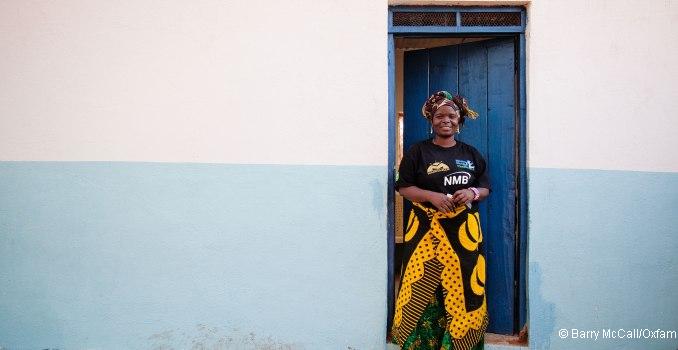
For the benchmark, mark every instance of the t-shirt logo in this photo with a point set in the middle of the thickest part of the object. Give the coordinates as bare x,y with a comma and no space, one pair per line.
437,167
457,178
465,164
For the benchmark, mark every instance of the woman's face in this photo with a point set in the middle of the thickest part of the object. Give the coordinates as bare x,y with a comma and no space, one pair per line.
445,121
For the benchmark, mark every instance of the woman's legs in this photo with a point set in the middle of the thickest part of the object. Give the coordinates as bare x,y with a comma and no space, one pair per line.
430,331
430,328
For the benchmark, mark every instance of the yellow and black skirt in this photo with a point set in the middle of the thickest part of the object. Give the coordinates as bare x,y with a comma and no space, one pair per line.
441,301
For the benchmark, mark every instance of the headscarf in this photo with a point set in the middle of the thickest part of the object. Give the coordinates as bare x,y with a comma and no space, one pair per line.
444,98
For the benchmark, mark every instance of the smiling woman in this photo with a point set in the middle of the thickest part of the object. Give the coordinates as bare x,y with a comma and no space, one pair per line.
441,302
486,71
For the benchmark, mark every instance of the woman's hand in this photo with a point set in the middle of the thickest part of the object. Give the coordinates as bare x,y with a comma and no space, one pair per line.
463,196
442,202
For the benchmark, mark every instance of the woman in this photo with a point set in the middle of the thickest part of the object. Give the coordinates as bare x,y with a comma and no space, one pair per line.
441,302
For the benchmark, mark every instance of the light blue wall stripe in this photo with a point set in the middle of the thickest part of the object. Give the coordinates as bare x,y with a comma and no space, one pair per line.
152,255
603,253
146,255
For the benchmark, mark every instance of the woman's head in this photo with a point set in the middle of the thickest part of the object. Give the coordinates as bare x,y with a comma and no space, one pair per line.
446,121
442,102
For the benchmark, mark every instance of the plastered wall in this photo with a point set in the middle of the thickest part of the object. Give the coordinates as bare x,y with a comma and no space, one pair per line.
94,252
601,85
219,82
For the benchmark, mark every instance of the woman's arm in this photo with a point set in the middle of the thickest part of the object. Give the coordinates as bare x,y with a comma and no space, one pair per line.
439,200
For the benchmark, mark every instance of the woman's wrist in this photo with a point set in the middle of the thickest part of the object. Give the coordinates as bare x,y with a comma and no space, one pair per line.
431,196
475,193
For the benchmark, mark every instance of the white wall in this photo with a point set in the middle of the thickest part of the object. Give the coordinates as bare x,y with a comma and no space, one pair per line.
169,81
602,85
294,82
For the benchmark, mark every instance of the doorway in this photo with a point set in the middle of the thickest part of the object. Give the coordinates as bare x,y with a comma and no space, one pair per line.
437,53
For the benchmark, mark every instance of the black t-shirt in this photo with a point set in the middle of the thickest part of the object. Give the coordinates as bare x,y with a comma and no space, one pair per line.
442,169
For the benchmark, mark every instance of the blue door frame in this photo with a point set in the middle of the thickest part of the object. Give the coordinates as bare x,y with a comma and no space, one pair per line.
458,30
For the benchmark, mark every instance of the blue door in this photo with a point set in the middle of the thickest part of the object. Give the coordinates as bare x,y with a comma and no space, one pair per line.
485,73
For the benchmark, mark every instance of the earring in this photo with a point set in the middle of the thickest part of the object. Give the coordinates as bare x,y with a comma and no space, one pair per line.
430,132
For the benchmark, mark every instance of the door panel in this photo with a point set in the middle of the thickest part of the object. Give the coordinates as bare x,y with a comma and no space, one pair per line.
483,72
415,89
501,144
443,69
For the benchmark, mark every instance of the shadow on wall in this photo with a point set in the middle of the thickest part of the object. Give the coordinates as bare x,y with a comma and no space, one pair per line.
542,312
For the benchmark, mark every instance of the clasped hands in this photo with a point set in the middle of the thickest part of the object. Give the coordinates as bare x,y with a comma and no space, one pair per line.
447,202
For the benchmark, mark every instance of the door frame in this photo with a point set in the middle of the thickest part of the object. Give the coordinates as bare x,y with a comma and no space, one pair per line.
459,30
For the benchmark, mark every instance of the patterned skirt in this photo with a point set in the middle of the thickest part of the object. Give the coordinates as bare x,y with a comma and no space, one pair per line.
441,302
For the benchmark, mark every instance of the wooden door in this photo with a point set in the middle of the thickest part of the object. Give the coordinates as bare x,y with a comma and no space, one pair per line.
485,73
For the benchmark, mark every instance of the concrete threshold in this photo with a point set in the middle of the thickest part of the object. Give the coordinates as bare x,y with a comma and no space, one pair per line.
492,342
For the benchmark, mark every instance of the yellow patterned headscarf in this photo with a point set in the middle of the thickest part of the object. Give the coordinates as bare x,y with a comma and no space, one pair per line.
444,98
